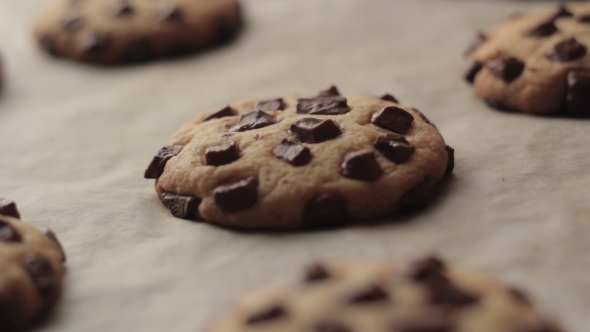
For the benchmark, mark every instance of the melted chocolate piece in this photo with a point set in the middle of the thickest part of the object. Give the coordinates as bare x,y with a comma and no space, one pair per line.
329,92
8,233
451,160
270,314
371,294
567,50
393,118
578,94
361,165
394,147
506,68
8,208
389,97
329,327
561,11
323,106
326,210
472,71
222,113
270,105
584,18
156,167
51,235
443,292
315,273
427,268
169,13
95,43
41,273
237,196
254,120
222,154
293,153
416,196
310,130
544,29
479,40
184,207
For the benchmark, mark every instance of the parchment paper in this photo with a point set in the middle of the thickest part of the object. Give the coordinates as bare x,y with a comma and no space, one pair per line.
75,140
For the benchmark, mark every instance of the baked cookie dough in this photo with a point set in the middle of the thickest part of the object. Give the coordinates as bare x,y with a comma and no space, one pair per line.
424,296
123,31
31,269
535,63
300,162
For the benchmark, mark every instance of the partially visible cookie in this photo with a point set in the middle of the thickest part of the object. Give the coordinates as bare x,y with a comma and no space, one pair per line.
300,162
424,296
535,63
31,269
123,31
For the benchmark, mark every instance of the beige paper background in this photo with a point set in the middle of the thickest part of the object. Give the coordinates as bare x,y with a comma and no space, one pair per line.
75,139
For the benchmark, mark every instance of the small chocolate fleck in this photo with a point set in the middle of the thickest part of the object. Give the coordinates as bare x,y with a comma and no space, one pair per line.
316,272
51,235
567,50
578,95
123,8
41,273
450,160
506,68
519,295
561,11
332,91
479,40
323,106
222,154
389,97
394,147
268,105
169,13
443,292
544,29
417,195
222,113
426,268
8,233
326,210
293,153
254,120
472,71
8,208
329,327
237,196
370,294
184,207
361,165
584,18
156,167
95,42
310,130
73,21
393,118
266,315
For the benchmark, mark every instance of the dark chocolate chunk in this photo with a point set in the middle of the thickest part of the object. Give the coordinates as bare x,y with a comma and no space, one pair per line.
123,8
427,268
95,42
184,207
8,233
237,196
51,235
584,18
544,29
8,208
506,68
567,50
73,21
371,294
393,118
222,113
293,153
139,50
443,292
472,71
226,29
329,92
310,130
156,167
254,120
323,106
479,40
450,160
361,165
329,327
266,315
315,273
578,94
417,195
389,97
394,147
561,11
169,13
326,210
270,105
519,295
41,273
222,154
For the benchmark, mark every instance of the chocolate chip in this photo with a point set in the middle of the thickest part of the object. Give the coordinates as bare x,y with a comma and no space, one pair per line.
237,196
123,8
293,153
371,294
388,97
222,113
329,327
424,269
393,118
315,273
184,207
506,68
310,130
479,40
8,233
417,195
266,315
137,51
51,235
361,165
156,167
226,29
472,71
73,21
423,117
561,11
270,105
584,18
544,29
41,273
329,92
169,13
450,160
567,50
222,154
394,147
326,210
578,95
519,295
443,292
8,208
323,106
254,120
95,42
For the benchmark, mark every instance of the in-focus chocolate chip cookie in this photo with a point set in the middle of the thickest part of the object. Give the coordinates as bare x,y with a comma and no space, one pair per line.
31,268
425,296
300,162
122,31
535,63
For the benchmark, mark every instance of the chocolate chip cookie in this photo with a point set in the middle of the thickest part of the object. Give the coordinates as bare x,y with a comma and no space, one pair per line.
535,63
122,31
31,268
424,296
300,162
